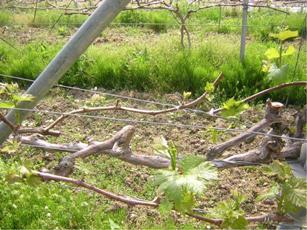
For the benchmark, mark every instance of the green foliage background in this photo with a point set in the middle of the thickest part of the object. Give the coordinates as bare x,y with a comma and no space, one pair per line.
162,66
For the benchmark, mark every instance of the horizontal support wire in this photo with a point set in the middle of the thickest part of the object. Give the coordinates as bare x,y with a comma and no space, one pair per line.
108,94
170,124
166,24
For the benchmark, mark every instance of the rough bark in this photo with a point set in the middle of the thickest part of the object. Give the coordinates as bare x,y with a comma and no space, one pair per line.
272,147
114,148
272,115
300,122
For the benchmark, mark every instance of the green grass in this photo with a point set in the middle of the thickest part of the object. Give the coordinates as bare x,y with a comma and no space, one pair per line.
161,66
261,21
158,21
50,18
52,205
5,18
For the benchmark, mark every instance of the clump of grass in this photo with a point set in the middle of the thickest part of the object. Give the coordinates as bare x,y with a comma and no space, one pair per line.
57,18
28,63
265,22
5,18
159,21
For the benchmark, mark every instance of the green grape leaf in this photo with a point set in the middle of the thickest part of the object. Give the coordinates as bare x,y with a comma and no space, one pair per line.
12,88
10,147
204,171
191,182
278,74
186,203
290,51
24,97
230,212
190,162
113,225
160,146
163,177
239,223
33,180
272,53
271,194
179,188
296,193
233,107
186,95
214,134
265,66
165,207
195,179
209,88
6,105
289,191
284,35
25,172
238,198
279,169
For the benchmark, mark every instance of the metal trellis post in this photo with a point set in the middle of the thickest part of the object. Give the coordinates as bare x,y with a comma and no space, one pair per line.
244,30
87,33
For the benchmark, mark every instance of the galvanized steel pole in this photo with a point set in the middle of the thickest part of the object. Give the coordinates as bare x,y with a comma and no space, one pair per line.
244,30
77,45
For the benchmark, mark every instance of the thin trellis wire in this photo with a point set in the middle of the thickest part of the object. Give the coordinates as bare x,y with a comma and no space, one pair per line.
170,124
166,24
109,94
